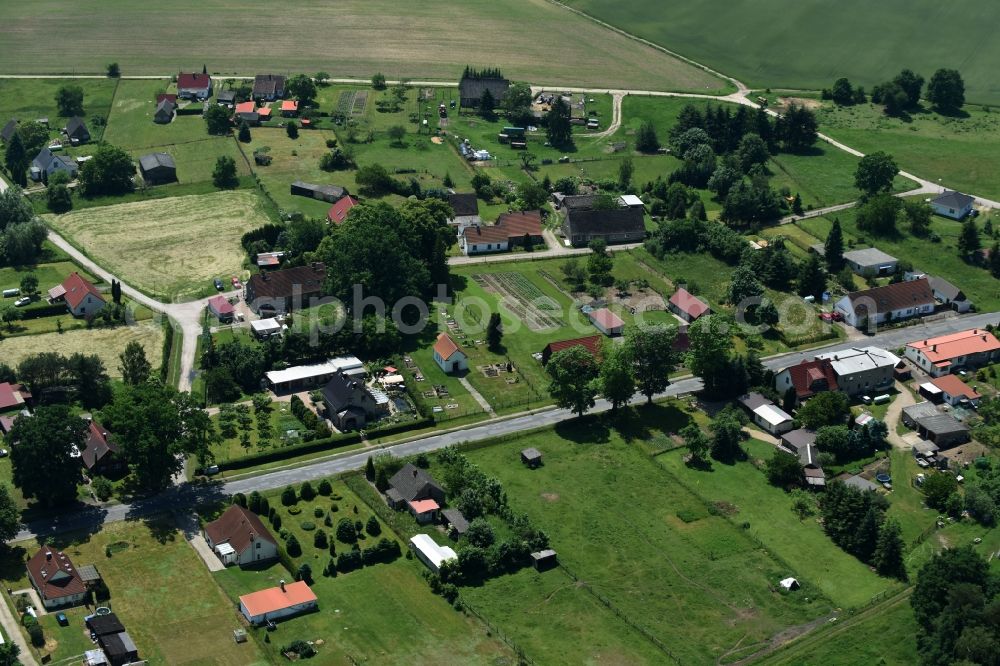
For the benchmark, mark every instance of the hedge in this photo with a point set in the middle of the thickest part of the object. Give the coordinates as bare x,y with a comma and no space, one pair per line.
303,448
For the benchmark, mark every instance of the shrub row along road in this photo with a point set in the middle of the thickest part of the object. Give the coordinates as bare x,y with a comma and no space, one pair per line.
189,495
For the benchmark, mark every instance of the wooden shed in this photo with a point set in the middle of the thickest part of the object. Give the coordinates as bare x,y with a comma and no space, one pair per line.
531,457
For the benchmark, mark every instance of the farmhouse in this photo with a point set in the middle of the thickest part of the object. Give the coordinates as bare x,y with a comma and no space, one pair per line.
164,112
952,204
892,302
8,130
687,306
76,130
329,193
511,230
871,261
592,343
268,87
239,537
350,404
304,377
808,378
338,211
221,308
158,168
56,580
100,454
247,112
430,553
194,85
860,369
81,297
474,84
619,225
411,484
285,290
947,353
290,108
46,163
948,294
954,391
449,356
276,603
465,210
13,397
606,321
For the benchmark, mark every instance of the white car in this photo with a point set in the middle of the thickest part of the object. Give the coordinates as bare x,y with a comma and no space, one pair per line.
4,453
21,302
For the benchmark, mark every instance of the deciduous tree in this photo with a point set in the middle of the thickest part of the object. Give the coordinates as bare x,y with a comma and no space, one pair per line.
69,100
825,409
134,365
875,173
946,90
615,377
558,128
224,174
110,171
43,462
646,140
652,351
573,373
217,120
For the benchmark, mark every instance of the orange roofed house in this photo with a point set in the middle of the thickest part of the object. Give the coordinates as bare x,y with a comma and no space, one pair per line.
82,298
338,211
239,537
275,603
947,353
55,578
449,355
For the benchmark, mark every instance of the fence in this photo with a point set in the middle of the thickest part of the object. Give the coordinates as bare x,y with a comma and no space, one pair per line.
522,658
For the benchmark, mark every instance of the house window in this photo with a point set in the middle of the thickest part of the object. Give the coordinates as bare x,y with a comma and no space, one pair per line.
258,544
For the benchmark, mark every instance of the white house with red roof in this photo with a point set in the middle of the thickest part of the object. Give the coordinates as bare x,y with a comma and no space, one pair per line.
338,211
55,578
954,390
275,603
82,298
194,85
221,308
606,321
449,356
687,306
944,354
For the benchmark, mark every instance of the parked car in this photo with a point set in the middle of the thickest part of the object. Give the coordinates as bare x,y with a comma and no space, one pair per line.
211,470
62,620
4,453
831,316
219,285
236,283
21,302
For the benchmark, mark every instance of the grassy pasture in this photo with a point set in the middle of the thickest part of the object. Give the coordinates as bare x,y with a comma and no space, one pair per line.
131,126
28,99
159,245
107,343
692,579
541,41
814,43
160,590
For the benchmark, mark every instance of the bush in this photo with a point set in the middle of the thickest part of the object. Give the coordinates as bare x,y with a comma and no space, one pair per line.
373,527
320,539
294,510
276,522
308,525
318,512
292,546
301,648
104,489
346,532
349,561
382,552
37,635
288,497
328,521
307,492
325,488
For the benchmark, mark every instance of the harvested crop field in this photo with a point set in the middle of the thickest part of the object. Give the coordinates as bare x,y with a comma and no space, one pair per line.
541,41
107,343
169,248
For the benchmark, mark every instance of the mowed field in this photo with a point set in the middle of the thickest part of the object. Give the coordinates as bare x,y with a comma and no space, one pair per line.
168,248
815,42
528,39
107,343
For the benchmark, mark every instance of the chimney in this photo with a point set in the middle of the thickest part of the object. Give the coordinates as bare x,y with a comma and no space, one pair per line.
414,473
282,584
48,556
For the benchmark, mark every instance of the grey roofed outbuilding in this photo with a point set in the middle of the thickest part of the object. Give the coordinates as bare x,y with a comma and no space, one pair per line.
870,256
8,130
153,160
798,439
578,201
925,448
952,199
809,455
754,400
88,573
531,455
946,289
942,424
225,96
46,157
77,127
456,519
920,410
860,483
819,248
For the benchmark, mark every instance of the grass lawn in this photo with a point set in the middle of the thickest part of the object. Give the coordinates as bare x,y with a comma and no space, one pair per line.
131,125
940,259
48,274
541,41
281,420
885,634
841,578
693,579
28,99
159,245
816,42
160,590
963,152
107,343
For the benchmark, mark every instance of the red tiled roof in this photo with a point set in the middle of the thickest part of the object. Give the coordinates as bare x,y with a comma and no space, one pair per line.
77,289
591,343
12,395
6,423
519,223
606,318
338,211
54,575
264,112
239,528
220,305
952,385
246,107
274,598
688,303
98,445
290,105
424,505
445,346
807,373
964,343
195,80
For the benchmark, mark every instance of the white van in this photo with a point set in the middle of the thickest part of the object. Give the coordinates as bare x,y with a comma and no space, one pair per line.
882,399
11,293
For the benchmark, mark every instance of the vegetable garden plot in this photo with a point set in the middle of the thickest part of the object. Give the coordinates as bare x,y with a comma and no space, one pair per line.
360,100
525,300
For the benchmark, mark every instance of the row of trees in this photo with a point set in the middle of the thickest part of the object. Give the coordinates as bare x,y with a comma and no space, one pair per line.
21,231
855,520
946,91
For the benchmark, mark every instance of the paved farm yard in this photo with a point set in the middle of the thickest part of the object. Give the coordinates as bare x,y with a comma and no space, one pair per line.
169,248
528,39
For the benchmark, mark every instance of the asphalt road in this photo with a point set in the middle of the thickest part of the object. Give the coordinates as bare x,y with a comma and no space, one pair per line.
186,496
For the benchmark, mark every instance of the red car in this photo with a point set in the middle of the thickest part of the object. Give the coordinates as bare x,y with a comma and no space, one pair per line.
236,282
831,316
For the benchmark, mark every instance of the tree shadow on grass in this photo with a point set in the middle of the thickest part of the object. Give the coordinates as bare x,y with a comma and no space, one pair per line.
590,429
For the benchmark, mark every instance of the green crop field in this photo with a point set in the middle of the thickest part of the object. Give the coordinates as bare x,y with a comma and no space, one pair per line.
633,535
528,39
783,43
961,153
159,245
